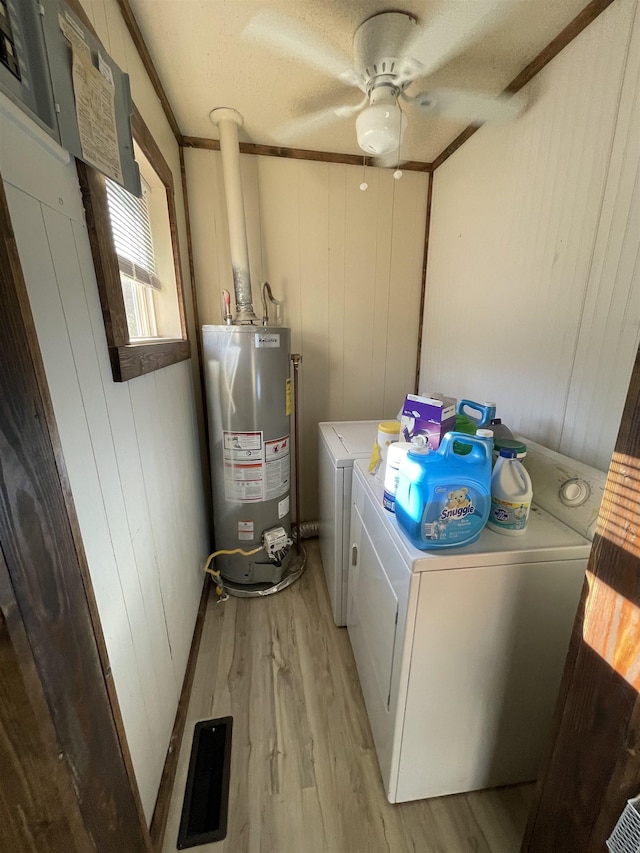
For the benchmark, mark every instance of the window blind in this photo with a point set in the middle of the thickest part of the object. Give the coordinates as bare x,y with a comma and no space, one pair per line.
131,228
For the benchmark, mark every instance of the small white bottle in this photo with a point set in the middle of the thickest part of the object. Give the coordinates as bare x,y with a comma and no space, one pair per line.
511,495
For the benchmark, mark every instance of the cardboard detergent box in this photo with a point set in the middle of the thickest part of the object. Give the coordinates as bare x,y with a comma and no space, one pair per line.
429,417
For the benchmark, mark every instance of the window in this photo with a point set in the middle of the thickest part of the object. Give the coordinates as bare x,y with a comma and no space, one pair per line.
135,254
133,242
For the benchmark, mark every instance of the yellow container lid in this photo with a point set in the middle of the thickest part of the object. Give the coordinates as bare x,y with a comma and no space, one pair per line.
390,427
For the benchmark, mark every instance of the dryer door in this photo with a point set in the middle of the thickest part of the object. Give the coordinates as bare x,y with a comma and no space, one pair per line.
372,622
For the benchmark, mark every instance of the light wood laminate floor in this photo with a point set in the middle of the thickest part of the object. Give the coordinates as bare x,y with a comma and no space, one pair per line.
304,773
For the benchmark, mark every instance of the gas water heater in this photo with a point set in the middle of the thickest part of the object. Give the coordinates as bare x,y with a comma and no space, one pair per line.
249,408
247,364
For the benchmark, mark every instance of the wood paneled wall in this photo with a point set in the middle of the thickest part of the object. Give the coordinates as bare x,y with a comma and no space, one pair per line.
533,297
132,450
347,266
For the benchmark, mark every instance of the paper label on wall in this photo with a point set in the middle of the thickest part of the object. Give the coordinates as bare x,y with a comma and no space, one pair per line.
245,530
73,33
287,397
283,507
277,474
270,341
96,115
105,69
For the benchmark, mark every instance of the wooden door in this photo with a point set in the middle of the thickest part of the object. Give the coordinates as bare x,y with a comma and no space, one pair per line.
67,780
593,763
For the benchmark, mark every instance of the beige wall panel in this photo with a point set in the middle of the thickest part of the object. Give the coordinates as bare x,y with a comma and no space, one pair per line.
95,9
610,328
379,290
346,265
116,34
280,232
403,299
204,195
515,218
361,251
336,292
314,318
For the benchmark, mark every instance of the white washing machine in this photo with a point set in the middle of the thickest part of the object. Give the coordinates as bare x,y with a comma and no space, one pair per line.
460,652
339,444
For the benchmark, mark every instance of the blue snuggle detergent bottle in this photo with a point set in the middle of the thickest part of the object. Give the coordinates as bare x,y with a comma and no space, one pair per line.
444,497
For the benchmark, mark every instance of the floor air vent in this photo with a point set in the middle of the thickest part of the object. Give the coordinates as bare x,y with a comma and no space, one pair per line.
206,796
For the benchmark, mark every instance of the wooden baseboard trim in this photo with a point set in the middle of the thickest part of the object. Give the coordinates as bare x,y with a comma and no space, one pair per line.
565,37
161,811
298,153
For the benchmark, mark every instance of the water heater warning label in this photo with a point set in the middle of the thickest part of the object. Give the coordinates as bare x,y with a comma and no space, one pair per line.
245,530
242,446
243,466
277,467
255,470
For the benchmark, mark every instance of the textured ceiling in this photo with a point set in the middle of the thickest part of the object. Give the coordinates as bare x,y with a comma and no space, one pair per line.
204,61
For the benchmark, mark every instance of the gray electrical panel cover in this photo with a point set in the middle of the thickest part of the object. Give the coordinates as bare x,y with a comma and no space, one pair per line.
43,84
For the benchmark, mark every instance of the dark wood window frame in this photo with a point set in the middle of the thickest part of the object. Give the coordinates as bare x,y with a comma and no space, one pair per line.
128,359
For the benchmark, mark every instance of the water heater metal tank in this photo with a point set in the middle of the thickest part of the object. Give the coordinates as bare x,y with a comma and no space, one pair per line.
249,406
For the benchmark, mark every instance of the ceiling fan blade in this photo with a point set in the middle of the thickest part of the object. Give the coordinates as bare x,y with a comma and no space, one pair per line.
450,31
470,106
313,121
284,35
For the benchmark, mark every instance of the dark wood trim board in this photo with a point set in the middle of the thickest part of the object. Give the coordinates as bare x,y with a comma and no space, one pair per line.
593,762
196,312
298,153
49,578
130,359
161,811
45,813
423,290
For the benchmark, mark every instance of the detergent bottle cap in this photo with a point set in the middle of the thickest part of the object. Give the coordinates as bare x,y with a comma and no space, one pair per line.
419,445
484,433
508,453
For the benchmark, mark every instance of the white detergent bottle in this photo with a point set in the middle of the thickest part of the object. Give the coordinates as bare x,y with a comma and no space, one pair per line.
511,495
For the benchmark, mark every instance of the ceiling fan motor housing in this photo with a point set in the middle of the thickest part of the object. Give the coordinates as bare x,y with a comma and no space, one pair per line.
378,49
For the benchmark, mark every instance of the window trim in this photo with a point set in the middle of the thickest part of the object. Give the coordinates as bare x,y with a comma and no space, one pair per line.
128,359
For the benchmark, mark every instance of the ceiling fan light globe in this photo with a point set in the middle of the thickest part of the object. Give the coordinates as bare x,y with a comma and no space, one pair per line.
380,128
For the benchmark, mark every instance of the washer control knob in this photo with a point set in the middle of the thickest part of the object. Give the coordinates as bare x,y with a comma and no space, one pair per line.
574,492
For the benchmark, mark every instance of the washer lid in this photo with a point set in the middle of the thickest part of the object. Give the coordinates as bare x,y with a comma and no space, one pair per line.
349,440
544,540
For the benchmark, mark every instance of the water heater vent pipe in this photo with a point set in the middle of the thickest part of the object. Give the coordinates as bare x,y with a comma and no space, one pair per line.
228,121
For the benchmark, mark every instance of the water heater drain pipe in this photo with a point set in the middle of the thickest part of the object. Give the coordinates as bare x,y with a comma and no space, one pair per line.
228,121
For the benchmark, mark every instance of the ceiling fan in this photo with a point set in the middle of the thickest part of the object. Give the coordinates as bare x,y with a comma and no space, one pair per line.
390,52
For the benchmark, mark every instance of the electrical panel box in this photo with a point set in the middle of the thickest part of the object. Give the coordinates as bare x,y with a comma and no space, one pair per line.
24,74
57,71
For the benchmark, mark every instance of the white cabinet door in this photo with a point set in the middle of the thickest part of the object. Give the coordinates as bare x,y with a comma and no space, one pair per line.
488,650
372,623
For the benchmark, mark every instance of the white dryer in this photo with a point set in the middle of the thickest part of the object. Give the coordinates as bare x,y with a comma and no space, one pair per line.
339,444
460,652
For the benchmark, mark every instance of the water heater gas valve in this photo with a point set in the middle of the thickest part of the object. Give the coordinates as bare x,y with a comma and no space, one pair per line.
276,543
